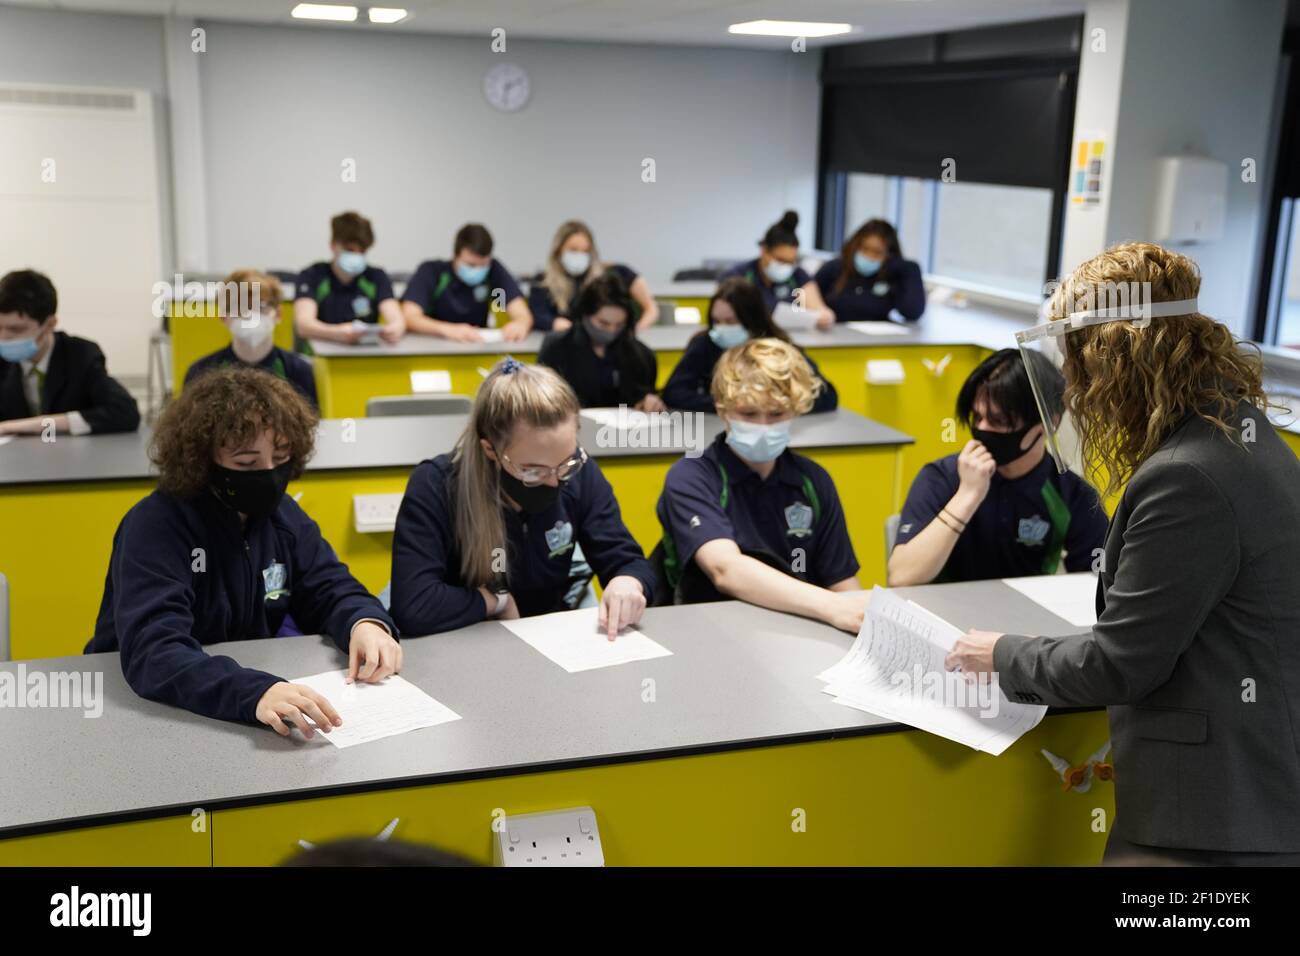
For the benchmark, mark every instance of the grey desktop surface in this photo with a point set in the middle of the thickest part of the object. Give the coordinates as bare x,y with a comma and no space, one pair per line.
738,675
387,442
941,325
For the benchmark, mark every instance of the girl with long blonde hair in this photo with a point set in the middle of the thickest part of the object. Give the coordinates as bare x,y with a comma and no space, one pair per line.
491,529
571,265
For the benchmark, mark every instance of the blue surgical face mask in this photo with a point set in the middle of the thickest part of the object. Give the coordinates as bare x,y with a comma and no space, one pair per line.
575,263
758,443
729,336
866,267
779,271
472,275
19,350
353,263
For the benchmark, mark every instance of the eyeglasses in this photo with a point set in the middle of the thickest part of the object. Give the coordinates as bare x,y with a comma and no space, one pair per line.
536,474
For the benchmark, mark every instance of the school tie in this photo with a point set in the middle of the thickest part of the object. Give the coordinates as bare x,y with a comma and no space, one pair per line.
39,376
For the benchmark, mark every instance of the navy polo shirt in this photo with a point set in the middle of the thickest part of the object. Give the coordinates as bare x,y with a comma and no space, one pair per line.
808,538
338,302
545,311
428,593
437,290
1013,531
294,369
691,383
185,574
896,286
772,293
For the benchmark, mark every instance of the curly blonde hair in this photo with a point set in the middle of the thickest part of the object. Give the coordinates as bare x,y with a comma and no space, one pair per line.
768,373
223,407
1128,385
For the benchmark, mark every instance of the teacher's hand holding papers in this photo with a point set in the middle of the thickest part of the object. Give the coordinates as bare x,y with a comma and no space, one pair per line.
973,653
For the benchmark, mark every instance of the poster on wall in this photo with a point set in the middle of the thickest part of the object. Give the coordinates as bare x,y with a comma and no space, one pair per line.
1088,170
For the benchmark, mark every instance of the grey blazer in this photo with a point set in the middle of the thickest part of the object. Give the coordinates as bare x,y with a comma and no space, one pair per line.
1196,651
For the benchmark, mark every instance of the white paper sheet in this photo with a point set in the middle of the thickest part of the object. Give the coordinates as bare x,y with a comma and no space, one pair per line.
573,640
617,417
491,335
369,330
1070,596
895,669
6,439
877,328
787,317
374,711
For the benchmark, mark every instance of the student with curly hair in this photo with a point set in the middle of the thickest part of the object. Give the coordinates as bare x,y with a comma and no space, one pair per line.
219,553
750,519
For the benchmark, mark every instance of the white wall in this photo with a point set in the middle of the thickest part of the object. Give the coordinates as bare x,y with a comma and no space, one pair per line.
733,134
1200,82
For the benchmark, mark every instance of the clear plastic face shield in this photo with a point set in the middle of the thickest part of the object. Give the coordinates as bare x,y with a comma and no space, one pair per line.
1049,395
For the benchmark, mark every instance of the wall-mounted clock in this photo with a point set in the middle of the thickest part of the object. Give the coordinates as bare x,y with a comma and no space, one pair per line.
506,87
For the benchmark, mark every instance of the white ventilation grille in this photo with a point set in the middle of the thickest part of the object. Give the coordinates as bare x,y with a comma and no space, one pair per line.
68,98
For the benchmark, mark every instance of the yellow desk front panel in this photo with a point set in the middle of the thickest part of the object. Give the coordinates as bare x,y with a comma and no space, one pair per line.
59,537
54,551
194,336
167,841
866,478
343,385
890,799
922,405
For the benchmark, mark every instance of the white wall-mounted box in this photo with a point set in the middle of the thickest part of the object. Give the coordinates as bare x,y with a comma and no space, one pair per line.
1191,195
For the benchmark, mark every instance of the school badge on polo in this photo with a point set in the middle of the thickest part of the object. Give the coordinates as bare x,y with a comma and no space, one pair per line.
480,292
361,307
274,579
1033,531
560,538
798,520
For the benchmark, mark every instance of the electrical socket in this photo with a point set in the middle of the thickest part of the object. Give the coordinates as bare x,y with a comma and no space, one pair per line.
552,838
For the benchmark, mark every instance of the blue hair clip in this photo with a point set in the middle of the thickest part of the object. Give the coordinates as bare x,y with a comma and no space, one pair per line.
510,365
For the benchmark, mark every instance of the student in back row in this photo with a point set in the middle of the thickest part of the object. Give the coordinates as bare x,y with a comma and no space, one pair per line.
573,262
451,298
871,278
736,315
998,508
777,275
491,530
49,378
600,356
218,552
331,296
750,519
252,334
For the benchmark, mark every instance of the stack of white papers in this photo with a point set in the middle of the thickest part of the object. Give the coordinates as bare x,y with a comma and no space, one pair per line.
787,317
622,417
574,640
895,669
878,328
374,711
1069,596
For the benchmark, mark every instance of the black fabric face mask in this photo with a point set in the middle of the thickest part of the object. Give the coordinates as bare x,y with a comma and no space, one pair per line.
533,499
1003,446
252,493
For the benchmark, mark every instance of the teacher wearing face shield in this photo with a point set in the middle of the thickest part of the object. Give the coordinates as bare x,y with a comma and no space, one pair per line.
1196,650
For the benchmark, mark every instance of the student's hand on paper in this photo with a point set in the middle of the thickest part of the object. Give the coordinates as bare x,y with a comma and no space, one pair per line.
973,653
347,334
825,320
460,332
373,654
514,331
392,332
560,324
621,605
511,611
285,706
845,609
975,467
651,403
